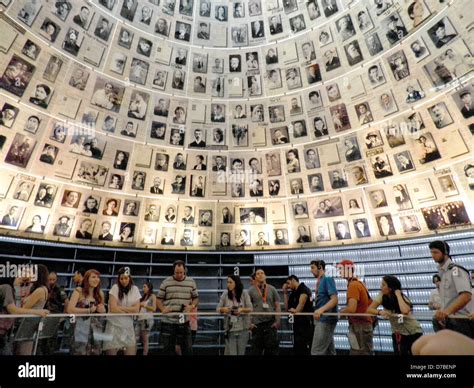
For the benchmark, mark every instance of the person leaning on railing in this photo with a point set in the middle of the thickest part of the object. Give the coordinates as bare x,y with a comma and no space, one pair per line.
86,299
398,309
8,306
235,303
36,300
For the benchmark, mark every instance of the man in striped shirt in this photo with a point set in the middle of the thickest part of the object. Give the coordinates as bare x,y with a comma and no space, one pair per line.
177,294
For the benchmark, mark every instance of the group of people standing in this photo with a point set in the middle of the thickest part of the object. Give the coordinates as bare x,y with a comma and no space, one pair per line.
252,315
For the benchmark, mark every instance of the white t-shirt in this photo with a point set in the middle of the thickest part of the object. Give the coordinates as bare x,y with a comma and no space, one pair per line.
128,300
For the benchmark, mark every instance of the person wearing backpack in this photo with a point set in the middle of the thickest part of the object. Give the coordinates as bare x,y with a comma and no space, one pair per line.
455,291
361,329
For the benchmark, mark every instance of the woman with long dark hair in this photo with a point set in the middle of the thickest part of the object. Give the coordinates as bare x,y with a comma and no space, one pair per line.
147,305
36,300
124,298
235,303
7,295
405,329
86,299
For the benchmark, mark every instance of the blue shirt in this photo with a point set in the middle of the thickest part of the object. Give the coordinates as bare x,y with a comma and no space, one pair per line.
327,288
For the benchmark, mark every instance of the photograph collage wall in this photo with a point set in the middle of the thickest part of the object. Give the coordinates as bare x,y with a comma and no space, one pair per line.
181,124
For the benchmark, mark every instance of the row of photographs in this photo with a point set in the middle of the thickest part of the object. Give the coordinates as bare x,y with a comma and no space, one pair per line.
219,24
295,171
253,84
69,226
175,113
399,197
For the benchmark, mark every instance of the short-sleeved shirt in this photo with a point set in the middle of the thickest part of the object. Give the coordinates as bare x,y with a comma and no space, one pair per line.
357,291
408,326
327,288
454,281
128,300
176,294
294,300
257,303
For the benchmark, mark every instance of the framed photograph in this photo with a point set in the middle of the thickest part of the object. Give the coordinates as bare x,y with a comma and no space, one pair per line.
17,76
353,53
402,197
394,135
72,42
273,163
323,233
139,71
338,179
446,215
20,150
198,186
442,32
125,38
385,224
27,14
328,207
361,227
94,174
340,117
281,236
440,115
419,49
159,80
131,208
357,174
414,92
315,182
162,27
426,148
126,232
23,189
293,78
85,228
381,166
448,186
107,95
373,43
324,35
41,96
256,113
205,217
168,236
63,226
36,222
162,161
31,50
404,161
320,126
296,186
118,62
8,115
45,195
410,224
376,75
345,27
394,28
50,30
49,153
399,65
271,57
253,215
341,230
79,77
103,29
300,210
355,205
